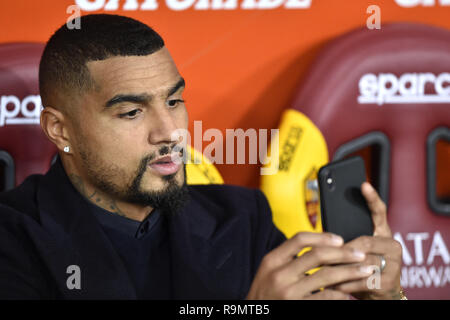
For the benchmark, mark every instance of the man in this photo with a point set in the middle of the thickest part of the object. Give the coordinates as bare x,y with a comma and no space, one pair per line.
113,217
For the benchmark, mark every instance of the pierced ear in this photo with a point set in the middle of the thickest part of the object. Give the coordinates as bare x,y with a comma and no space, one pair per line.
54,125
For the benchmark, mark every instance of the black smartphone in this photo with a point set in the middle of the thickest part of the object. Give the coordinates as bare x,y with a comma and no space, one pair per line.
343,208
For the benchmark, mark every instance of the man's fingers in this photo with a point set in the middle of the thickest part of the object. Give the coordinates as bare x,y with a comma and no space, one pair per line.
387,247
322,256
378,210
329,294
378,283
382,283
356,286
329,276
360,285
290,248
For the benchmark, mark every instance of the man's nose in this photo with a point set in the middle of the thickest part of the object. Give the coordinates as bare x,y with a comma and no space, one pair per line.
163,126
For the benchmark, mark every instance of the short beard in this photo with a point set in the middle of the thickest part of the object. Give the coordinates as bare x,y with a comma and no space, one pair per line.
169,200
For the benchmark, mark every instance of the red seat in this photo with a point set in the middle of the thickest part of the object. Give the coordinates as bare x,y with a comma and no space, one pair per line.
390,89
24,149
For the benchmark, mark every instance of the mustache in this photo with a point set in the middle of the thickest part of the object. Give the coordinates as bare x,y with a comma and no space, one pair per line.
162,151
145,161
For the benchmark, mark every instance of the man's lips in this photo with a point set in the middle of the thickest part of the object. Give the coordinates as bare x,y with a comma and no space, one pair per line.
165,166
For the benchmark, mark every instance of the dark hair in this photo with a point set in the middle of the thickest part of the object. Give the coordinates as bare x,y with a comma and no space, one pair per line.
63,69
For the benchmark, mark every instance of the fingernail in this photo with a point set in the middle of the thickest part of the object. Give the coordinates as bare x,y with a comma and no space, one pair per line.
359,254
337,240
369,186
366,270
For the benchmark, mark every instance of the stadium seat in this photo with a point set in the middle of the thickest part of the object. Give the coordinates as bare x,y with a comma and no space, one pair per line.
24,148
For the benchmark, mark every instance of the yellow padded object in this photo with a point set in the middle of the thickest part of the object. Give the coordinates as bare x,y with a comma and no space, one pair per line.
302,151
200,170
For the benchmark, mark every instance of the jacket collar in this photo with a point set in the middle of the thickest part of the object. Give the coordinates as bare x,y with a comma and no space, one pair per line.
65,214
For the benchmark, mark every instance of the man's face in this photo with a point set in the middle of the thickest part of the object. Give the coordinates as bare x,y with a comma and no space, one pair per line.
125,127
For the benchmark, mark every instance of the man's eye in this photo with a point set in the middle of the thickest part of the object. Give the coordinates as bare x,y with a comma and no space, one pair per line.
130,115
175,102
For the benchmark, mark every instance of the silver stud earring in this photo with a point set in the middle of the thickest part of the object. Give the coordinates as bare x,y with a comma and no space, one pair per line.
66,149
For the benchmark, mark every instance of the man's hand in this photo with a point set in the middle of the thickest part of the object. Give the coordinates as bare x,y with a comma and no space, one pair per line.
381,244
282,275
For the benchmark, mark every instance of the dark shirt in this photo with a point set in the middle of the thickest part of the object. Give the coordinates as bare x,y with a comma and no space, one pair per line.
143,248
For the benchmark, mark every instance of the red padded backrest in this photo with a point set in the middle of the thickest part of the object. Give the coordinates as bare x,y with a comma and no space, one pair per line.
20,132
351,91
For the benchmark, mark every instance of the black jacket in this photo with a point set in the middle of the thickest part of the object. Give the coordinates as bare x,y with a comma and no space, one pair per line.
217,243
